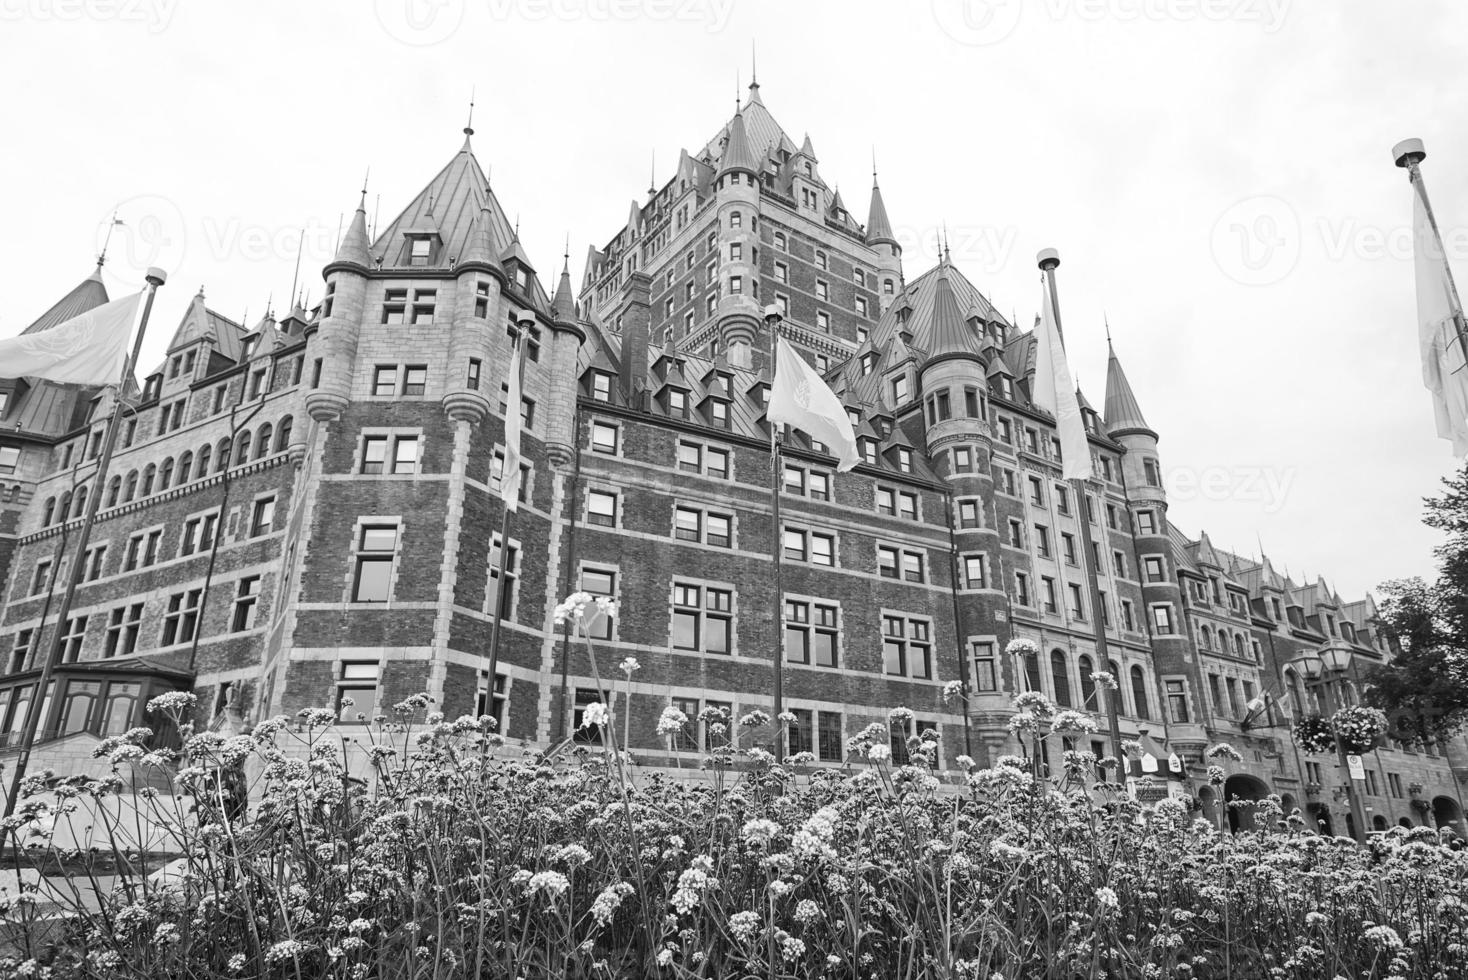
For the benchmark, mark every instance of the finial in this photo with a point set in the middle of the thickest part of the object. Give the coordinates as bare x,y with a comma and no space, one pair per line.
753,65
269,304
874,165
517,227
737,85
652,175
1107,321
102,255
566,255
469,126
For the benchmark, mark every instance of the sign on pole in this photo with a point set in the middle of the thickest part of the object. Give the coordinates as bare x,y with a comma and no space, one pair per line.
1357,766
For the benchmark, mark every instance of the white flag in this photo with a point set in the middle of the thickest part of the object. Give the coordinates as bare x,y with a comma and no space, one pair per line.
87,349
510,475
800,398
1055,392
1442,353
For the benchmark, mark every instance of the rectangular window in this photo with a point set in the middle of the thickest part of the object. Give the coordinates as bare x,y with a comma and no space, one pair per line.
1037,492
600,582
1177,702
1021,588
830,743
1118,564
1146,522
1062,499
984,677
512,577
1394,783
601,387
968,513
356,692
262,521
907,649
374,454
1016,533
246,601
41,580
1077,608
492,701
604,438
601,508
93,562
182,617
1042,540
21,651
1068,547
123,625
974,575
415,380
1047,585
377,546
702,618
811,634
1162,619
1128,619
73,636
385,380
1153,568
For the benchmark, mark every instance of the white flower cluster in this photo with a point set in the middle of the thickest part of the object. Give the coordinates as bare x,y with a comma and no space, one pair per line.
582,609
672,721
693,882
813,840
608,901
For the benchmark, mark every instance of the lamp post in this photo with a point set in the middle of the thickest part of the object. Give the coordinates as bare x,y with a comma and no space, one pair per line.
1322,669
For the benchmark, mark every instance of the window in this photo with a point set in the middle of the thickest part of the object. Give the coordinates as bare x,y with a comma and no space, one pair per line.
907,649
9,457
1047,584
1139,693
93,561
1394,783
782,272
974,573
811,633
356,692
901,389
41,580
150,547
601,508
1068,547
377,546
692,524
1149,471
385,380
198,534
702,618
1042,540
604,438
1162,619
1016,533
247,598
600,582
1146,522
1118,564
1037,492
182,617
262,520
21,650
415,380
677,403
963,460
811,546
984,677
969,514
1022,588
904,460
1077,607
1128,619
497,476
900,564
1060,678
1177,702
823,321
73,636
1153,568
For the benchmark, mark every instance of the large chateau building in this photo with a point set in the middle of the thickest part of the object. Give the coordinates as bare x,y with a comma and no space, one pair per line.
308,509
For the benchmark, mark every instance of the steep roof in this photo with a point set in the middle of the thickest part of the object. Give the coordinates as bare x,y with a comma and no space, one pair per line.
88,294
737,153
1123,414
879,229
951,335
47,407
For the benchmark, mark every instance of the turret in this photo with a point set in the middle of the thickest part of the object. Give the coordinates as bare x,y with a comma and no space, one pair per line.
884,243
567,336
471,336
341,319
740,321
1124,422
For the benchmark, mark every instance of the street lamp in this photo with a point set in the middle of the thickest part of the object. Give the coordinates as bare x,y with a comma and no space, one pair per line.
1321,668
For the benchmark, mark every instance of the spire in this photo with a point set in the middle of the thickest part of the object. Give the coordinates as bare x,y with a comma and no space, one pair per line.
737,154
85,295
564,305
754,75
481,240
469,126
951,336
354,248
652,175
807,149
879,229
1123,414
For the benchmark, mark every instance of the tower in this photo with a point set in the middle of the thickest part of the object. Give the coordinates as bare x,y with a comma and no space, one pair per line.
736,191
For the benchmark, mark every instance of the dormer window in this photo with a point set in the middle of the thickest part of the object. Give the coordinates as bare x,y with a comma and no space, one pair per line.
904,460
719,413
901,389
1006,387
868,449
247,347
810,170
677,403
601,386
868,364
420,251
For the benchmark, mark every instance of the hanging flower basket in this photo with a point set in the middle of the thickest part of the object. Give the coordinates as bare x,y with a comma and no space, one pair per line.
1314,735
1422,806
1359,728
1021,647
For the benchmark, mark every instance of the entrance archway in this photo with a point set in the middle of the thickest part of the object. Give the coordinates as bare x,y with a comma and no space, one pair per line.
1244,789
1208,802
1378,822
1318,818
1447,813
1288,804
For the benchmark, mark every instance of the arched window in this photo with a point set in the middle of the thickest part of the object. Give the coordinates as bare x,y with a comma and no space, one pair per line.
150,473
283,435
1139,693
242,449
1060,677
63,507
130,488
49,512
79,504
203,468
736,219
222,451
165,474
114,490
262,441
1297,698
1239,644
1088,685
1116,675
1032,673
185,463
1205,638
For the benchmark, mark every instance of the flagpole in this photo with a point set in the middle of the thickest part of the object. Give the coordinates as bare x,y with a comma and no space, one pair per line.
1408,154
772,322
1049,261
523,323
155,277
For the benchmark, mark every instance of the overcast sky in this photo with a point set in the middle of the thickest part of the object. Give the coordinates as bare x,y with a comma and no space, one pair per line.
1216,174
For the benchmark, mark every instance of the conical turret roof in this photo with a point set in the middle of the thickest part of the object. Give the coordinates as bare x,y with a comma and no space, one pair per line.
354,248
1123,414
737,154
879,229
85,295
564,304
950,334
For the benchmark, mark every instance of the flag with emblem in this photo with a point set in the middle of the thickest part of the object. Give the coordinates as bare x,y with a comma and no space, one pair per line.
89,349
801,399
510,475
1055,392
1438,324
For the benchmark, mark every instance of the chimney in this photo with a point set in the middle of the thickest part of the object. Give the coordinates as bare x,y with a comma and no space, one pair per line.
636,320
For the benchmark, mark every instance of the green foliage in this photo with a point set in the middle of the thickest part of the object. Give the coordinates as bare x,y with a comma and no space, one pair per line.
1424,689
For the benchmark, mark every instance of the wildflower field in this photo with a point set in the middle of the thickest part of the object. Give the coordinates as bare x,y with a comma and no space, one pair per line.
459,856
465,859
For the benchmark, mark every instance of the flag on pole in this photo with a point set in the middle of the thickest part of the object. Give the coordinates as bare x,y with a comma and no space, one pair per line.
1437,331
87,349
510,475
1055,392
800,398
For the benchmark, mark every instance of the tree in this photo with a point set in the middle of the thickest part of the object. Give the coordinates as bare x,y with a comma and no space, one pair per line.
1424,688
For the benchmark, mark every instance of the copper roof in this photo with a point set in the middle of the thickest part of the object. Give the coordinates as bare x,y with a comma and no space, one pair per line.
1122,411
